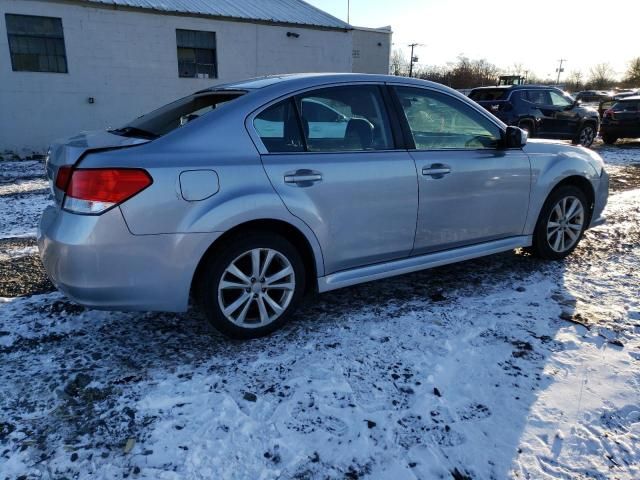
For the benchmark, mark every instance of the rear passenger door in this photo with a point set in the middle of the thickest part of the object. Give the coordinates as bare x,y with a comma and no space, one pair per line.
331,155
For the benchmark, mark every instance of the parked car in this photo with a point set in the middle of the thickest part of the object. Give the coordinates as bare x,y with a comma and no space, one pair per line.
592,96
607,104
247,217
545,112
622,120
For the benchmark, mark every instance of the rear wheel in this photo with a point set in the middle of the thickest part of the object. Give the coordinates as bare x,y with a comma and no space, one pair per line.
609,140
250,287
562,222
586,135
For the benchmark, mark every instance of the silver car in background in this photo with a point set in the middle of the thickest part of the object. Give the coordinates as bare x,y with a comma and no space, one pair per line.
246,195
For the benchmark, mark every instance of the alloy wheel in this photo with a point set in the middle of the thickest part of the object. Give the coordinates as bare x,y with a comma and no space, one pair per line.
587,136
256,288
565,224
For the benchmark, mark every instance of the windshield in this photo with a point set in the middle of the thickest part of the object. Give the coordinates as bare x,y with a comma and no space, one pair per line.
489,95
176,114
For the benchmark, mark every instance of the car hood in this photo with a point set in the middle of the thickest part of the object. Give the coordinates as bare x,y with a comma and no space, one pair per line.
538,146
67,151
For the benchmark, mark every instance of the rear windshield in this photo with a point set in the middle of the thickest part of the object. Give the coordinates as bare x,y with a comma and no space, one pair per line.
489,95
176,114
627,106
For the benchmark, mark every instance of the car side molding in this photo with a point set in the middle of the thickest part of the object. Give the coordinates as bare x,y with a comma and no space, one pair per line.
378,271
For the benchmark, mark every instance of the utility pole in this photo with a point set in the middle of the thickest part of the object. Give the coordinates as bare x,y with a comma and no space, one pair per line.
413,59
560,69
348,11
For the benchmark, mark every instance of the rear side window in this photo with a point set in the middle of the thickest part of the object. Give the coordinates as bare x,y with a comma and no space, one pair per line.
489,95
438,121
350,118
279,128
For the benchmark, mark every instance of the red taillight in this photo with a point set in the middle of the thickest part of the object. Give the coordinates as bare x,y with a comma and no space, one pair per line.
62,179
94,190
609,114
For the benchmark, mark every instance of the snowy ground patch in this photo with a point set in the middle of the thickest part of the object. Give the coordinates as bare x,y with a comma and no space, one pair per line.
501,367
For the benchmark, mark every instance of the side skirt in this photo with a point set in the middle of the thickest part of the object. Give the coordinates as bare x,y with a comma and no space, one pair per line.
413,264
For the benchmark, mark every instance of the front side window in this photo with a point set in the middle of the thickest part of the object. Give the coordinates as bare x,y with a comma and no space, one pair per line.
439,121
350,118
539,97
36,44
559,100
197,56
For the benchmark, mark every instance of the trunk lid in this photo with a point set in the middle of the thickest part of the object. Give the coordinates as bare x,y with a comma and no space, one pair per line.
68,151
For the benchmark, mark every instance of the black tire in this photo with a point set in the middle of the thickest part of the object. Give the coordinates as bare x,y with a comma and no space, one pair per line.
541,246
586,135
609,140
213,270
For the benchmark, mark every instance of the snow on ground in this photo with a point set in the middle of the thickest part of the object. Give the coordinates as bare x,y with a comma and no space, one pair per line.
501,367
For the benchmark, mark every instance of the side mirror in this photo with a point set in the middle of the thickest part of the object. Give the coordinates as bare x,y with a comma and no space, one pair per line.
515,137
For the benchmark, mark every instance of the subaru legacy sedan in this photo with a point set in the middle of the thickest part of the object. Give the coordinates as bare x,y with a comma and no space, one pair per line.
246,195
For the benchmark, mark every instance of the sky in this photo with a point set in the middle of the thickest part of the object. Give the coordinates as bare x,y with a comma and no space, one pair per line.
535,34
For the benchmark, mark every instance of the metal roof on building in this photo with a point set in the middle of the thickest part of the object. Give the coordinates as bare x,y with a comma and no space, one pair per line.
295,12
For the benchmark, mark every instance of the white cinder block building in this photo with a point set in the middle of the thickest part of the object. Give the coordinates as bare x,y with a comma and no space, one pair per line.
72,65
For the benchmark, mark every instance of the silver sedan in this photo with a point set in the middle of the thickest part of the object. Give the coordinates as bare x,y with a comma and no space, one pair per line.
244,196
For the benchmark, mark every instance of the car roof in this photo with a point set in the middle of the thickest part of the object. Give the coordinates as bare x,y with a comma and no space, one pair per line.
634,98
301,81
515,87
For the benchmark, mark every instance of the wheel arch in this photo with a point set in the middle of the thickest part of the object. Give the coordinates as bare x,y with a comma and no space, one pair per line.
310,252
577,181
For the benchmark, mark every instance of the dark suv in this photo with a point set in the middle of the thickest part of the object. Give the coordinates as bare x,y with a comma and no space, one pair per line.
622,120
545,112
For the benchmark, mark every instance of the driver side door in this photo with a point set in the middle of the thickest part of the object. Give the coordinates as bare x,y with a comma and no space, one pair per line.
470,190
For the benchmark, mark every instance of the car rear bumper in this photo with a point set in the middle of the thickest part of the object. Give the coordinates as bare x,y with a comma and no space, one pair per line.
97,262
619,131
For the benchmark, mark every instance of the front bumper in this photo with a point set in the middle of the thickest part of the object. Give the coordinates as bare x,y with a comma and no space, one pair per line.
97,262
600,201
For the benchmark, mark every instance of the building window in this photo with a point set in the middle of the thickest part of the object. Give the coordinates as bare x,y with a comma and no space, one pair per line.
36,44
196,54
355,53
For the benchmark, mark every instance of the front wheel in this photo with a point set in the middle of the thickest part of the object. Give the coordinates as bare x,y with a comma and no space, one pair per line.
251,285
562,222
586,135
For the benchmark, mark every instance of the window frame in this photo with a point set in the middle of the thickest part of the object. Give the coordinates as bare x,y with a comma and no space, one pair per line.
408,134
216,73
397,135
14,68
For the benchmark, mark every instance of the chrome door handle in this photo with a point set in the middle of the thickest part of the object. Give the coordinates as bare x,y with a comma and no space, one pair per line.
436,171
302,178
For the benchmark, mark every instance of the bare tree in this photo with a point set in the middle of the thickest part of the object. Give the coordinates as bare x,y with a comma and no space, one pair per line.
632,77
601,76
465,73
517,69
575,80
399,64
